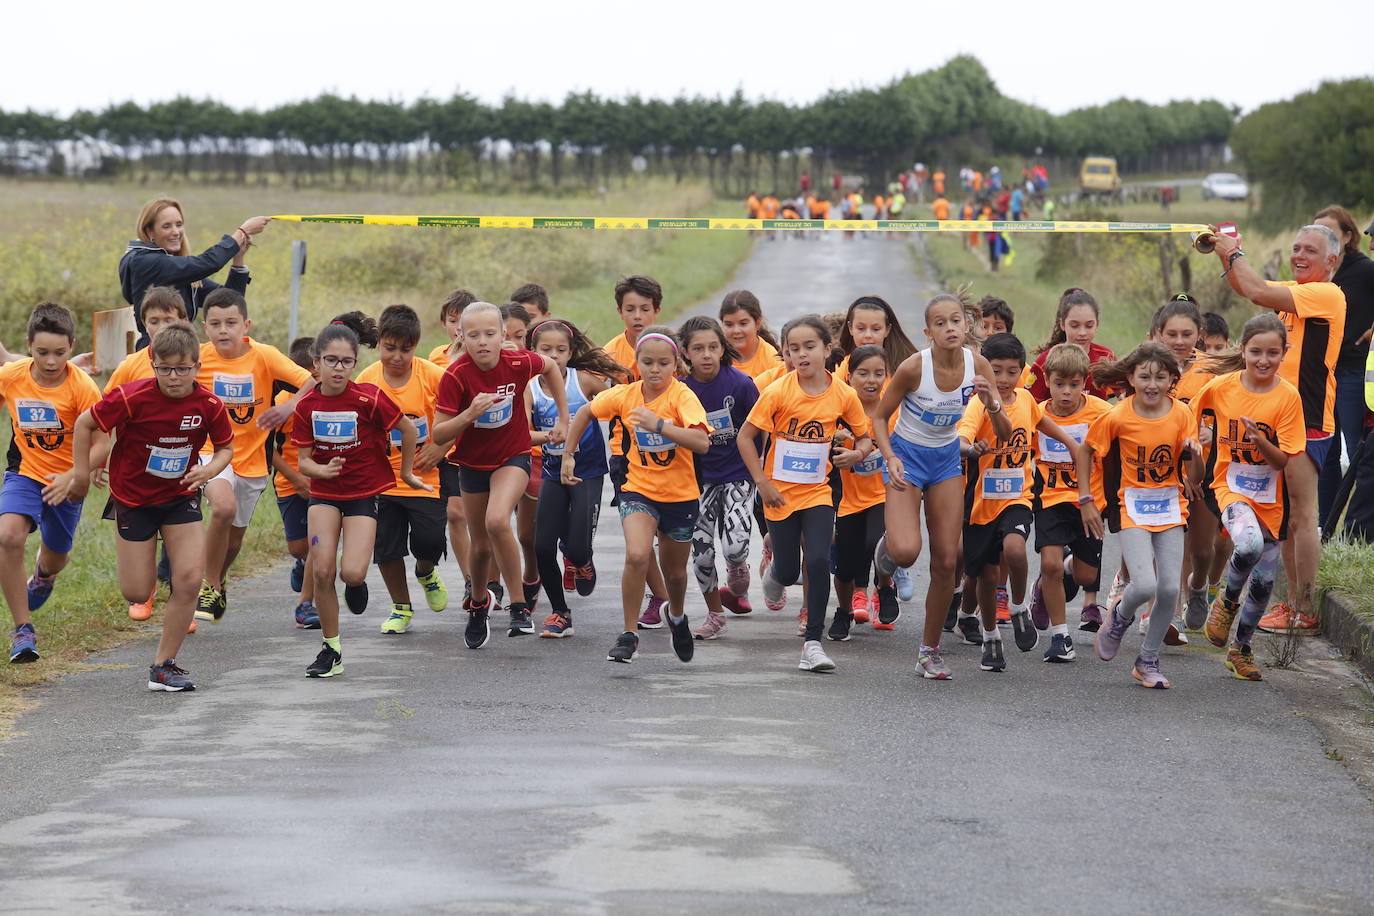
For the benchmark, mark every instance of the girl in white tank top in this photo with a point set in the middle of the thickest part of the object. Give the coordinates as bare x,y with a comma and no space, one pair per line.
930,416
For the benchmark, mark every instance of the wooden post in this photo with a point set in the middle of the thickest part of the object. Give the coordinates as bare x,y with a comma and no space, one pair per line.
114,335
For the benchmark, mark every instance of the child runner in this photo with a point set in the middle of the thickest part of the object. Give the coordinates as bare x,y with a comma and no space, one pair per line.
1059,528
727,495
451,316
1143,443
243,374
44,395
802,413
1257,424
342,431
567,515
665,425
155,482
741,316
535,299
1216,334
293,497
476,405
932,389
517,330
407,517
1074,322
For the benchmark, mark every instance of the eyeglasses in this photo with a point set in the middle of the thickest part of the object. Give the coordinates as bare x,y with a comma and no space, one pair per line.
178,371
339,362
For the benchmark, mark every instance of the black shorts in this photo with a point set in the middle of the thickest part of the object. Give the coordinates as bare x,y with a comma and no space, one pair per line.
1062,526
293,511
366,506
474,480
983,543
618,468
142,523
424,518
450,481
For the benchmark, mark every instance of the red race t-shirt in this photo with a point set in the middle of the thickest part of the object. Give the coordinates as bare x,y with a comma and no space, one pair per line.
158,438
353,425
504,430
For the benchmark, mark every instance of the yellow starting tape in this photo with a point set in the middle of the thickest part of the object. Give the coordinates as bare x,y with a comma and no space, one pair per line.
834,225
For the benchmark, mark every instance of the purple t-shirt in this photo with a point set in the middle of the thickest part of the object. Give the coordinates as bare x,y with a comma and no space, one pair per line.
728,398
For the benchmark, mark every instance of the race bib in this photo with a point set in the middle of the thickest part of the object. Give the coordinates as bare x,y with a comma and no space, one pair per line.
334,426
1256,482
31,413
497,414
800,462
720,424
168,463
1003,483
1152,507
233,389
1056,452
647,440
940,419
871,465
421,432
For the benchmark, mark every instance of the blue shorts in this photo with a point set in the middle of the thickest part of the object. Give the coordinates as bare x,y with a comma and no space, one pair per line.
293,511
1317,449
57,524
923,466
677,521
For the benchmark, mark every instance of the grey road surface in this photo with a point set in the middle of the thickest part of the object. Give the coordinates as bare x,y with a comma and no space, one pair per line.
534,777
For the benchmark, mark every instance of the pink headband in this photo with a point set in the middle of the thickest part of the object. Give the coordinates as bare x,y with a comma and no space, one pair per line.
643,337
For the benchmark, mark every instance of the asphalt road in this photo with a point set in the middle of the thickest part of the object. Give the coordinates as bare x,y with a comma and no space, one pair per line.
532,776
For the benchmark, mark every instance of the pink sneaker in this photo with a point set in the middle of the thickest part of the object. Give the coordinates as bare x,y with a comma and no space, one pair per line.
801,623
737,578
652,618
736,604
712,627
767,559
1147,672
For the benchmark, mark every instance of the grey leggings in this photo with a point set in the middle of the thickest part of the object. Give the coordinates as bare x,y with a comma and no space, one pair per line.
1155,561
1255,559
727,509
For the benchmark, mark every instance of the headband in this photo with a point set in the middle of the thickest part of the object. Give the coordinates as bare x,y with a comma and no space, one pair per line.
643,337
567,327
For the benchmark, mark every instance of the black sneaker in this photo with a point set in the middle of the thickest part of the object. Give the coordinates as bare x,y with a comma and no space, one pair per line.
839,626
971,630
521,621
498,594
167,676
1024,631
1061,648
355,596
328,663
531,590
478,631
952,615
222,604
625,649
992,656
888,608
683,644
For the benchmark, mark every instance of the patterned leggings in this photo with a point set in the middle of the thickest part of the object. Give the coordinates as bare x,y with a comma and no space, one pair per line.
1255,560
727,509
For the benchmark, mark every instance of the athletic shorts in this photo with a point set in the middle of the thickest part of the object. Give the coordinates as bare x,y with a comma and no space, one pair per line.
246,492
618,469
1318,446
142,523
293,511
1062,526
675,520
423,518
536,476
367,506
449,479
983,543
923,466
57,524
474,480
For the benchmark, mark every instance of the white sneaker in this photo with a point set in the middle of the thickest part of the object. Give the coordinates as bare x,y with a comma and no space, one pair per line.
813,658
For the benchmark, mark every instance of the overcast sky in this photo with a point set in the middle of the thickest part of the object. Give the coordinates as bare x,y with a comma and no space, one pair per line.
62,56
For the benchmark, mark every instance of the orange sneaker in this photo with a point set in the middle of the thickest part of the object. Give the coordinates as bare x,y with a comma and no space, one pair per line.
1222,614
1283,619
1003,607
142,610
858,606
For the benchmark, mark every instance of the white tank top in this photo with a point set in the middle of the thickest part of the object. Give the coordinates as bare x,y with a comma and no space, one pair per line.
930,416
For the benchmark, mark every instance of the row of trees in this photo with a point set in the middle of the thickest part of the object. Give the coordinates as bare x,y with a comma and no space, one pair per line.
953,114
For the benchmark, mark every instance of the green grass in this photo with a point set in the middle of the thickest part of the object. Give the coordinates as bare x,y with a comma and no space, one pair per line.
1347,567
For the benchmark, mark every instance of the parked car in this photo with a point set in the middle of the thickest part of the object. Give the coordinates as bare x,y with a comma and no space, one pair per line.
1225,186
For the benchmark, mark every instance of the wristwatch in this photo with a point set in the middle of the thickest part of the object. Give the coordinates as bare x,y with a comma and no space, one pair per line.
1084,500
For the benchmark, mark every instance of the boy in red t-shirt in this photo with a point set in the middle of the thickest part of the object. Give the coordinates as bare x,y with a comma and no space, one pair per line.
155,481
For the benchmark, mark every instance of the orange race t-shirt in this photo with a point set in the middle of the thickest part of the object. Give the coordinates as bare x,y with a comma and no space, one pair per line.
940,208
1237,470
658,469
862,487
803,428
820,209
137,365
1001,477
1141,464
245,385
416,398
622,351
439,355
1056,478
43,419
765,357
1315,332
287,448
764,379
1194,379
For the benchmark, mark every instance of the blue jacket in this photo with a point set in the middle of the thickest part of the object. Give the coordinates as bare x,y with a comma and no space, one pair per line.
145,265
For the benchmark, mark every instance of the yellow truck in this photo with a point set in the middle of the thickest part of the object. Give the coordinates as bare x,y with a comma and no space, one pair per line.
1098,175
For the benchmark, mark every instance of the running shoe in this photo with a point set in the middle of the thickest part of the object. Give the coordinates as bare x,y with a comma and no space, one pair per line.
1003,607
23,644
767,560
1061,648
355,597
681,637
1024,632
1240,661
883,563
888,608
477,633
584,578
521,621
39,588
992,656
712,627
1039,611
142,610
801,623
498,594
1117,590
1213,589
1283,619
298,574
307,616
1195,612
858,605
652,618
735,603
167,676
329,663
1090,618
208,603
1217,629
1147,673
625,649
1174,635
1108,641
813,657
971,630
901,580
952,615
557,626
531,592
839,626
774,592
737,578
569,576
399,621
931,663
436,593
